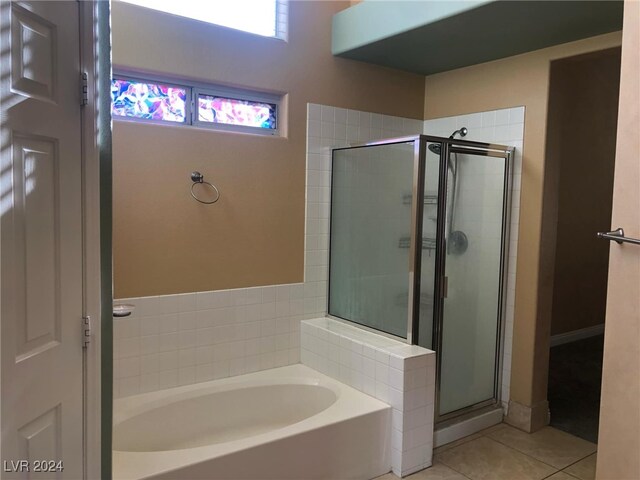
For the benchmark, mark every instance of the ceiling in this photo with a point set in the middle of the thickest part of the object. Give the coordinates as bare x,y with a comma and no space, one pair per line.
428,37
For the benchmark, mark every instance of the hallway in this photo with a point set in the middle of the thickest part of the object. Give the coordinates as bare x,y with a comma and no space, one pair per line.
575,377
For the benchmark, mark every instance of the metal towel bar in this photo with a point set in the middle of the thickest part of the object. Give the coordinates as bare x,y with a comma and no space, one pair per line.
617,236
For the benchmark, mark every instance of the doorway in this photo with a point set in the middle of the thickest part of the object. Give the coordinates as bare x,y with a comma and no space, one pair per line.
580,153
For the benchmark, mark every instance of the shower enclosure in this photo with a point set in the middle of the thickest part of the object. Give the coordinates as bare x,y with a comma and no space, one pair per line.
418,250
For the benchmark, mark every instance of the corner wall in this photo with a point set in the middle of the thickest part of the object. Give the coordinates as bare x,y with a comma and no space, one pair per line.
520,80
164,241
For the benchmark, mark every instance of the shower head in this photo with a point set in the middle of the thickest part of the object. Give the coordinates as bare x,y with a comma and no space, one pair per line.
436,148
462,132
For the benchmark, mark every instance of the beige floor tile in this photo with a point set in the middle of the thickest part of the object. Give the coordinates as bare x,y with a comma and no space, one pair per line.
455,443
548,445
584,469
479,434
495,428
486,459
438,471
560,476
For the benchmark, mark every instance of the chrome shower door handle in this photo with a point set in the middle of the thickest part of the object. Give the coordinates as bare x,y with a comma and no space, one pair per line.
617,236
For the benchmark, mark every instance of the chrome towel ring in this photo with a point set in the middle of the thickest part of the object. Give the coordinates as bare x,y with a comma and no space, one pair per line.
198,178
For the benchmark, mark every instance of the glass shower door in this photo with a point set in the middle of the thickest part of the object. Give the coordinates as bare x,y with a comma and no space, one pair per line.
469,338
372,220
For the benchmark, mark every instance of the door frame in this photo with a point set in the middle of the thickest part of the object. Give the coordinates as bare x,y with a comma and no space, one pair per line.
94,36
93,23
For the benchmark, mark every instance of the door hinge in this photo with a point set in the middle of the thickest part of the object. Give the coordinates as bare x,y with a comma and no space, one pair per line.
84,85
86,331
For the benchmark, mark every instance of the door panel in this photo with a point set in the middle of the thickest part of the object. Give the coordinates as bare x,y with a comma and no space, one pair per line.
619,431
41,237
476,198
33,54
40,438
35,209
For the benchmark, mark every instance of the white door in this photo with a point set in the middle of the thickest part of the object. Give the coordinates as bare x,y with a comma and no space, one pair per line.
41,240
619,434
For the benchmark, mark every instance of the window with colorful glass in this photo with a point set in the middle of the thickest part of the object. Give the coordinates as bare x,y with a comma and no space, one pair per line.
148,100
235,111
201,105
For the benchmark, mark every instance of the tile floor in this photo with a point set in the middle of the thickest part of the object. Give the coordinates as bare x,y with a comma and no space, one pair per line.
505,453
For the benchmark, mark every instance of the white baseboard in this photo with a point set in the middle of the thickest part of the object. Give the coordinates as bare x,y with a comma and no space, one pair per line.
576,335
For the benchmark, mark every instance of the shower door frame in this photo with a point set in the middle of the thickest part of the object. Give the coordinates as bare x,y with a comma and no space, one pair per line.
448,145
481,149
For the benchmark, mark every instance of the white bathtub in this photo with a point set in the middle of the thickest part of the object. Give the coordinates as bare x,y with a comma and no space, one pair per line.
286,423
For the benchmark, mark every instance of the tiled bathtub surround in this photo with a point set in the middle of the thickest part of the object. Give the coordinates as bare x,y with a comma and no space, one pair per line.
175,340
505,127
393,372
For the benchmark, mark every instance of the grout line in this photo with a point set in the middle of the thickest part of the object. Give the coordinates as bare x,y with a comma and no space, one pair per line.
514,449
450,467
462,441
537,459
572,476
471,438
549,476
525,454
511,448
578,461
465,476
468,438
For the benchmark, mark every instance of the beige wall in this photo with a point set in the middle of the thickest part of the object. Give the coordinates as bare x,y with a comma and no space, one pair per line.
619,434
519,80
165,242
581,147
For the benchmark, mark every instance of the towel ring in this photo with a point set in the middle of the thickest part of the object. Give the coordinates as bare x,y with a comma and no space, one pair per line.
198,178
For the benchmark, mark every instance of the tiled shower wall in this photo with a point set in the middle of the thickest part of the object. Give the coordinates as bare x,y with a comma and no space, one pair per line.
173,340
505,127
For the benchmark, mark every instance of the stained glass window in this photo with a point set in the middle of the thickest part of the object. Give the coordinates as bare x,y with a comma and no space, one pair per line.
231,111
152,101
210,106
